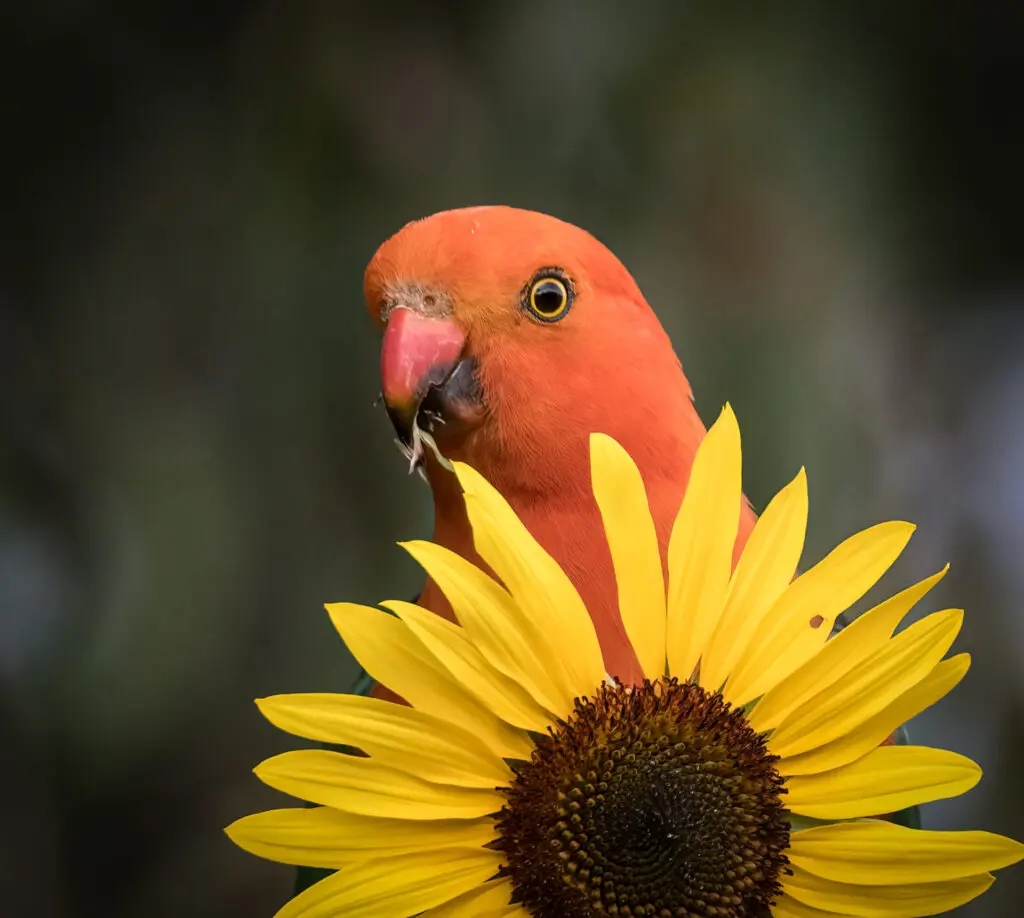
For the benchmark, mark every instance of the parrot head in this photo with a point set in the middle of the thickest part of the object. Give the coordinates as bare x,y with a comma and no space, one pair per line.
509,337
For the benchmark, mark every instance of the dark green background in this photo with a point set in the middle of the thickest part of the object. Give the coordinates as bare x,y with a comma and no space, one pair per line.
822,202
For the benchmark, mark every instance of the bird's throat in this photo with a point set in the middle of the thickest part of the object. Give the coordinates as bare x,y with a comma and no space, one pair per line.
568,526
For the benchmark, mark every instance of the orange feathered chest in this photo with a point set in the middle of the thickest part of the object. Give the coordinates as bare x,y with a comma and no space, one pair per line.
569,527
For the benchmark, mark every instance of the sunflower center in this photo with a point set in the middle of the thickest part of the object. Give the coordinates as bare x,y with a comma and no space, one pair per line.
652,800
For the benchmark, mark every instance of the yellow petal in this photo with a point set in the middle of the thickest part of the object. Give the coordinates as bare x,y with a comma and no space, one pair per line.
392,734
886,780
466,664
360,785
872,732
765,569
538,585
633,541
701,545
788,907
801,619
402,885
851,646
870,686
876,853
324,837
395,657
508,639
914,900
491,898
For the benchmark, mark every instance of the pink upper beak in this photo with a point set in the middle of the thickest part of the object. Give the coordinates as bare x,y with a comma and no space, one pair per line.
418,352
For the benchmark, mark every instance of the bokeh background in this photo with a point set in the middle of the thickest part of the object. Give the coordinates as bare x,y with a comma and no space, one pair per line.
823,202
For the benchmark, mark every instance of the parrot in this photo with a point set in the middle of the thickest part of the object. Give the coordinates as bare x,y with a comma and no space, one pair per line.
509,337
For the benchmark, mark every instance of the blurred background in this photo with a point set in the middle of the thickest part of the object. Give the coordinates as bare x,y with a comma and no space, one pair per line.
821,201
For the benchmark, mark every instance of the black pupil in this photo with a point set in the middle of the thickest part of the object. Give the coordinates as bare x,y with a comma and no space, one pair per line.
548,297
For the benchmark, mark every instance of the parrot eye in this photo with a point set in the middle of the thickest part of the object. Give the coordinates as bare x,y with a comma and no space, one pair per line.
549,295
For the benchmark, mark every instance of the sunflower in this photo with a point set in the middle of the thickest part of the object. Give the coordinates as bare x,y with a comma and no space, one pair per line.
746,776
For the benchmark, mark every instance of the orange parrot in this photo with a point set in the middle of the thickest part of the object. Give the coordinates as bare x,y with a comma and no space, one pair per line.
509,337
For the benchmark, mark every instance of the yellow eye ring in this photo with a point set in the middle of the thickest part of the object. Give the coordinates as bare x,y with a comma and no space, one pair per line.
549,297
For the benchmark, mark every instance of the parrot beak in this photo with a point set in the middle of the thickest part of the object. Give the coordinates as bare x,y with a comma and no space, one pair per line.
419,356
